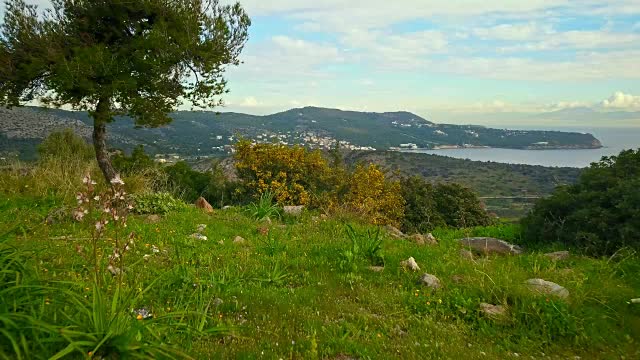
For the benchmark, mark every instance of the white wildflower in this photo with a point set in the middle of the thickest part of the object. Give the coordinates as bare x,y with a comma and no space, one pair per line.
117,180
96,198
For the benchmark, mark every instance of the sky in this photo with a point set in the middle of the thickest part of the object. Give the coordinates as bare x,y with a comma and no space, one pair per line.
458,61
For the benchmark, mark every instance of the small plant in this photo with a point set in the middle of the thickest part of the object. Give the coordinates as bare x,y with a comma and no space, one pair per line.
276,276
265,208
364,246
156,203
272,244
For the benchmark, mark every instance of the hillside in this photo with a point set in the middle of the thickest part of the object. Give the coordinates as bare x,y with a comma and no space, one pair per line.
207,133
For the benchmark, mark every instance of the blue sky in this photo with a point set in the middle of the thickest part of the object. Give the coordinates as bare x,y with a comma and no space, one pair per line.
483,61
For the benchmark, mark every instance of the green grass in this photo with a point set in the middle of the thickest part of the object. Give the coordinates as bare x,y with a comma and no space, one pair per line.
286,295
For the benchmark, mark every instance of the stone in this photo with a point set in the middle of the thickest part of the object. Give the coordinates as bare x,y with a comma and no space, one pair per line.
466,254
423,239
488,245
153,219
203,204
293,210
493,311
221,242
227,207
239,240
201,227
410,264
548,288
376,268
430,281
635,301
395,232
198,236
558,255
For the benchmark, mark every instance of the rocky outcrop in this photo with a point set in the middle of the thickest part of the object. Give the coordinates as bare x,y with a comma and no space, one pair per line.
547,288
558,255
488,245
410,264
203,204
430,281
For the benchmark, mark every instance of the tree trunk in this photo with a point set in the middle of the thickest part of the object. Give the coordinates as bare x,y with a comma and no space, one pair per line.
100,119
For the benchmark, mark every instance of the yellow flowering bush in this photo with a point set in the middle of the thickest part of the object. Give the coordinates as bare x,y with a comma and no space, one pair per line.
374,197
297,176
291,174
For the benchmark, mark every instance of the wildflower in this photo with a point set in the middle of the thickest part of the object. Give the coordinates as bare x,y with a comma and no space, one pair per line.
428,303
117,180
99,226
78,214
96,198
139,317
439,301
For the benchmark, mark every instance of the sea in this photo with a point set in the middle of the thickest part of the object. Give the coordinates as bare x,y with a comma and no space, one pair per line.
614,140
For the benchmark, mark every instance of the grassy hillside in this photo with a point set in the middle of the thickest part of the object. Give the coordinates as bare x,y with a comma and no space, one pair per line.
288,294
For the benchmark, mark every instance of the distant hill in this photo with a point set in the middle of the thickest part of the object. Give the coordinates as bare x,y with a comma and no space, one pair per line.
195,133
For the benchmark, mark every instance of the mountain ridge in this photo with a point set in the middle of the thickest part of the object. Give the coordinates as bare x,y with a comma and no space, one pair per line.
203,133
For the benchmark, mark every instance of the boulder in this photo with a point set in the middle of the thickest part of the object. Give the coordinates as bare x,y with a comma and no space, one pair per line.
153,218
423,239
395,232
293,210
548,288
203,204
466,254
410,264
488,245
493,311
558,255
430,281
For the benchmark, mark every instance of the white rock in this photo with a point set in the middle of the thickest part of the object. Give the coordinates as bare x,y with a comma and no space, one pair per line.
410,264
431,281
548,288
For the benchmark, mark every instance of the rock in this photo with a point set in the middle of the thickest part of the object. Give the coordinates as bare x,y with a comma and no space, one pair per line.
198,236
395,232
203,204
635,301
558,255
466,254
398,331
487,245
410,264
376,268
221,242
547,287
430,281
153,218
227,207
239,240
493,311
423,239
201,227
293,210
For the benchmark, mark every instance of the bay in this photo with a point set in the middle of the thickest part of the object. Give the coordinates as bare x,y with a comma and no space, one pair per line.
614,140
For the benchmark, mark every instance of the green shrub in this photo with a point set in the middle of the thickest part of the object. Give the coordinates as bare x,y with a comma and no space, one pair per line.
156,203
599,214
429,206
190,184
138,162
66,144
264,208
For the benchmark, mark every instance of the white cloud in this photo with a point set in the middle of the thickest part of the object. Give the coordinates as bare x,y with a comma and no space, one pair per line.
622,101
510,32
580,40
249,101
